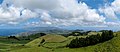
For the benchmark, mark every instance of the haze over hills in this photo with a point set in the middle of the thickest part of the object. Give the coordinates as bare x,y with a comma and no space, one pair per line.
59,26
6,32
32,30
28,31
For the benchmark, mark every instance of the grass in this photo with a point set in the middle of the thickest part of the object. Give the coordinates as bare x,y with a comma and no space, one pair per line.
7,47
48,38
54,38
4,47
54,43
11,41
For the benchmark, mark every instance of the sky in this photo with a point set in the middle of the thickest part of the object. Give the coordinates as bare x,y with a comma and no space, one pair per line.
69,14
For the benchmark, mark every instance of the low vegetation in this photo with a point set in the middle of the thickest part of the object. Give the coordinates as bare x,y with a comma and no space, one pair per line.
102,41
91,40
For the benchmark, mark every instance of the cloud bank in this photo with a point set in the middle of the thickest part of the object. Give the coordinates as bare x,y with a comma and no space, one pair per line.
57,13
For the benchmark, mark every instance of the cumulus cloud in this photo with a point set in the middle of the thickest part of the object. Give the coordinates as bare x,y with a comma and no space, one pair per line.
111,10
56,13
72,13
12,15
116,6
113,24
33,4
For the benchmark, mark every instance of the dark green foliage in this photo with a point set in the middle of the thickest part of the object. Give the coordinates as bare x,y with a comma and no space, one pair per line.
91,40
34,36
20,39
75,33
23,45
38,45
74,43
43,40
42,34
79,33
13,37
86,33
106,35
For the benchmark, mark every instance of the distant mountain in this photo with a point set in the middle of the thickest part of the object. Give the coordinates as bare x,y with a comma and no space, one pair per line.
6,32
28,31
48,30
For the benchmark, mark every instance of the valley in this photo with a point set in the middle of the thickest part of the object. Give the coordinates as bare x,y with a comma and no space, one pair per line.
57,43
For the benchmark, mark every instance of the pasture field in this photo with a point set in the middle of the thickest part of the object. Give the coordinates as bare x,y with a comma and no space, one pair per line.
57,43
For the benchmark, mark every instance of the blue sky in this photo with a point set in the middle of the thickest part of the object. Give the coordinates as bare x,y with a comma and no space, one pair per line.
96,3
69,14
1,1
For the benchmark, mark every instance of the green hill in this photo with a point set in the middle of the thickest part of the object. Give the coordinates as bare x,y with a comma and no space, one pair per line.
56,43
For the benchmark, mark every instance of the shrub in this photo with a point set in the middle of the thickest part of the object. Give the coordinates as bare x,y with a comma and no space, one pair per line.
43,40
91,40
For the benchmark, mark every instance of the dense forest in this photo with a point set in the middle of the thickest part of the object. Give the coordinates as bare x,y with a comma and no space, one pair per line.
91,40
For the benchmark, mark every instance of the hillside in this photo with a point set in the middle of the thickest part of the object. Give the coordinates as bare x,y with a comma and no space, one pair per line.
48,39
30,30
108,46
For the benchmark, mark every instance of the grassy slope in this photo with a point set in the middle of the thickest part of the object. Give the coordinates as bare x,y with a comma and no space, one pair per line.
112,45
4,47
9,41
48,38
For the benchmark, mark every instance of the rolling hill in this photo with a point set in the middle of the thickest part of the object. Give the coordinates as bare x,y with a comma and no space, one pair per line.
112,45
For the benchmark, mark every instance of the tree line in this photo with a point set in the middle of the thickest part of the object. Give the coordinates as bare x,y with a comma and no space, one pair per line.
91,40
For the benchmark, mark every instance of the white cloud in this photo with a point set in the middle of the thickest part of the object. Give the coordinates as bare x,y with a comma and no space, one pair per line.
111,11
12,15
51,12
33,4
113,24
29,14
76,14
116,6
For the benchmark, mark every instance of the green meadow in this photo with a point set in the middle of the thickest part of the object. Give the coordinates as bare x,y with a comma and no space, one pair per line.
57,43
